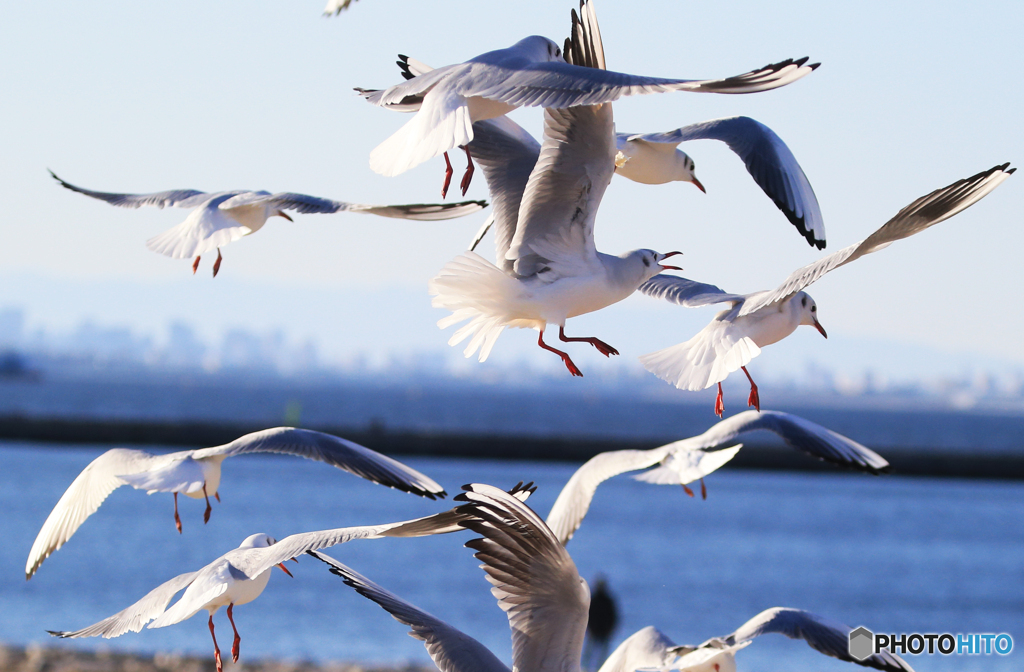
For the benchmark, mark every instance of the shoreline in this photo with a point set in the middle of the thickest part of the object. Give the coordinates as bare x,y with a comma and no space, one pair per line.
905,462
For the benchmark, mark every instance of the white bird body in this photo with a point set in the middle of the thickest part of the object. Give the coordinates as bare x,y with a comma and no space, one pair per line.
651,162
735,336
197,474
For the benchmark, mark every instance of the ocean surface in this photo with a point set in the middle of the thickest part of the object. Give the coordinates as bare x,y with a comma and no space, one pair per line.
895,554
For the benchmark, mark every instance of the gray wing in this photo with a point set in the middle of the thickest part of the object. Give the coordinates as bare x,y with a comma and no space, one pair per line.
555,231
181,198
507,154
685,292
926,211
332,450
449,648
314,205
768,160
569,510
799,433
421,212
136,616
533,577
824,635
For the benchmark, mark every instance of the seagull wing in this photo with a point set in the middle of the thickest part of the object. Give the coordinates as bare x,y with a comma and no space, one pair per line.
314,205
180,198
84,496
646,648
421,212
684,464
768,160
824,635
533,577
507,154
573,502
799,433
926,211
136,616
684,292
332,450
449,648
555,233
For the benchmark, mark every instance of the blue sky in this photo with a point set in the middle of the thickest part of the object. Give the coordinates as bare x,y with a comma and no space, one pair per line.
129,96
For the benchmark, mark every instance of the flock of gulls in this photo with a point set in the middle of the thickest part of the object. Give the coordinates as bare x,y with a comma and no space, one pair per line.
544,197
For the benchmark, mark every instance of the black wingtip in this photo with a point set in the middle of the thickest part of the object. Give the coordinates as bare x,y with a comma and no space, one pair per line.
814,66
801,61
1011,171
58,633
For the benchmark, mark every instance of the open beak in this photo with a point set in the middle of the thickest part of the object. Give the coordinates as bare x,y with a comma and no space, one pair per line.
821,329
284,569
670,268
281,213
697,184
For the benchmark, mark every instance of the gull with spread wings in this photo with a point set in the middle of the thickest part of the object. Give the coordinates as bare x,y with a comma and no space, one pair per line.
225,216
736,335
196,474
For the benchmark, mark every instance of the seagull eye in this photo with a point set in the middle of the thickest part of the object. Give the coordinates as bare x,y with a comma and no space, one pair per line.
814,309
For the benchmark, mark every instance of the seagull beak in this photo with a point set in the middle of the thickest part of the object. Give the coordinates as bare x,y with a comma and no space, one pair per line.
284,569
697,184
280,213
821,329
669,268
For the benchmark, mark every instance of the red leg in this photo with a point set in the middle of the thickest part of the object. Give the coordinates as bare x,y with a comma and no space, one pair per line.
703,490
448,172
601,346
565,357
206,514
753,400
216,649
719,402
216,264
687,490
467,177
195,265
177,519
238,640
217,495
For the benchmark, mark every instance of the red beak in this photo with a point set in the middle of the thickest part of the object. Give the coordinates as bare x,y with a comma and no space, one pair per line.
670,268
284,569
280,213
697,184
821,329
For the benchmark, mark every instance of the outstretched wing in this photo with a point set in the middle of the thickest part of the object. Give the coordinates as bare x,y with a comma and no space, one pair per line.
136,616
314,205
687,293
85,494
573,502
926,211
332,450
768,160
181,198
822,634
533,577
449,648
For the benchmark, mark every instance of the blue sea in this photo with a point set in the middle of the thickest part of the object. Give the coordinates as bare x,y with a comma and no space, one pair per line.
895,554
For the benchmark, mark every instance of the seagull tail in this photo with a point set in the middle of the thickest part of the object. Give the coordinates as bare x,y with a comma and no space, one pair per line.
442,123
704,360
474,289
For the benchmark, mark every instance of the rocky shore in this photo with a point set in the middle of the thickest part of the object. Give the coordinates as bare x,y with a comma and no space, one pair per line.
53,659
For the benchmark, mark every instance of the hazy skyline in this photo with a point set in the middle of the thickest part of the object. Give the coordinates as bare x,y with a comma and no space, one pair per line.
133,97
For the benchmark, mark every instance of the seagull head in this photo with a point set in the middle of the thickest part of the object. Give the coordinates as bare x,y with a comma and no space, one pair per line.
809,312
263,541
645,264
686,168
538,48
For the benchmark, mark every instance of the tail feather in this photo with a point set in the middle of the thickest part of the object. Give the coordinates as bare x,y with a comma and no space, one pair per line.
706,359
442,123
476,290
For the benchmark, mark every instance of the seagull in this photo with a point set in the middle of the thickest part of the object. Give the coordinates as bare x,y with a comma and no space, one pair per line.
239,576
223,217
545,202
530,73
682,462
649,648
196,474
653,158
736,335
534,579
335,7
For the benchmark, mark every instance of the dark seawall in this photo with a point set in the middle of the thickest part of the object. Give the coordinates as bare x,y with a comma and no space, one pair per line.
916,462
